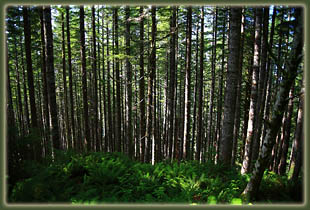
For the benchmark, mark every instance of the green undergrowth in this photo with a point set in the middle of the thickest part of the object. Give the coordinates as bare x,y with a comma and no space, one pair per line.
114,178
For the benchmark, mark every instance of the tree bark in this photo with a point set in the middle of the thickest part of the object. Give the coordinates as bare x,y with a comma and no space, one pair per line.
249,143
225,150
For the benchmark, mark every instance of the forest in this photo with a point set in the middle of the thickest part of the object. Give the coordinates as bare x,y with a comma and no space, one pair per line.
110,104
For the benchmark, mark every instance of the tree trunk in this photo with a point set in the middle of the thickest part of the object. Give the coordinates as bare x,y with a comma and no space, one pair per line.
287,133
68,129
128,85
27,33
296,161
220,96
238,99
50,76
141,89
200,89
261,85
249,143
187,85
94,67
74,139
172,81
118,131
84,81
289,76
225,150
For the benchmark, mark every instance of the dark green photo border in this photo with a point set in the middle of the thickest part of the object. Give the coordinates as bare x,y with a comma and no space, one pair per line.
4,3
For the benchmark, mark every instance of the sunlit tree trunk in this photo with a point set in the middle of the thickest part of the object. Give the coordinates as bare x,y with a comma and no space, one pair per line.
289,76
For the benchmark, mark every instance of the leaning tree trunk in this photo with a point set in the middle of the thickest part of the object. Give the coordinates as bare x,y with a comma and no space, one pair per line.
289,75
225,149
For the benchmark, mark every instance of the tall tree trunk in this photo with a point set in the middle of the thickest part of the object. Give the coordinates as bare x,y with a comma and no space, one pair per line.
45,91
66,116
225,149
261,86
118,131
238,99
128,85
26,109
50,76
200,89
27,33
289,76
249,144
172,81
212,90
75,141
84,81
141,89
195,96
153,78
220,95
94,67
187,84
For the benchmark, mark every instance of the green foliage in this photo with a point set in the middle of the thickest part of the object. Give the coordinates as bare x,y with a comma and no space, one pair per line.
113,178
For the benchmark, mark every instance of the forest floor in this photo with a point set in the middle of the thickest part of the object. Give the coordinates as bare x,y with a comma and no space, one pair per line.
97,178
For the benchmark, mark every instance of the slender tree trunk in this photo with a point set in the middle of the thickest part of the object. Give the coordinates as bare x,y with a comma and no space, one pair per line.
200,89
212,90
296,160
192,149
84,81
26,109
238,99
287,133
74,139
289,76
94,67
66,116
261,86
225,150
50,76
141,89
118,130
249,144
109,108
27,33
128,85
187,84
220,96
172,81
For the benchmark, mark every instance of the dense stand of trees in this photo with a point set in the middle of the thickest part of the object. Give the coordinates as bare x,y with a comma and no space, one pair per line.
158,83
